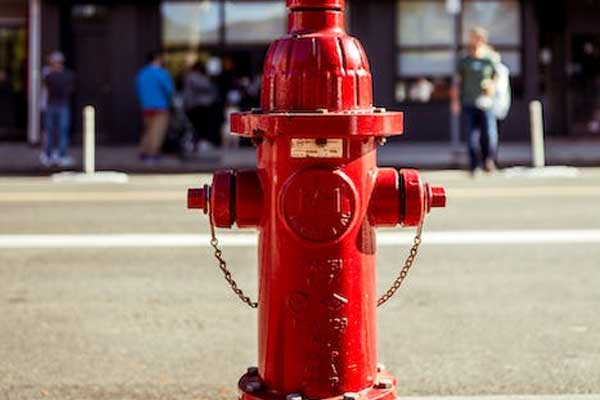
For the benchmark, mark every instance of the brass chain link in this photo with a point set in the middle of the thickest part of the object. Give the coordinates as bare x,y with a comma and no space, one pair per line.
408,263
214,242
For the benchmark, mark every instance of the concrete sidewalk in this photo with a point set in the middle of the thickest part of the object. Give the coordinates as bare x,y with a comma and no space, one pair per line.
22,159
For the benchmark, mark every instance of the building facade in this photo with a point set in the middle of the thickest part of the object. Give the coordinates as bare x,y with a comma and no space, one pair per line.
553,52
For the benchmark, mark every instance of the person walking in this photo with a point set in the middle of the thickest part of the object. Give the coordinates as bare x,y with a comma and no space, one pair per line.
155,91
60,86
475,98
200,95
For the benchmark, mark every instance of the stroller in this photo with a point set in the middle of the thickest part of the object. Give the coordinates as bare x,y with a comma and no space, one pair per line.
179,139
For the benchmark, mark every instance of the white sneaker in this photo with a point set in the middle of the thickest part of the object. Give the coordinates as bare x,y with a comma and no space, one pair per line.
476,173
45,160
66,162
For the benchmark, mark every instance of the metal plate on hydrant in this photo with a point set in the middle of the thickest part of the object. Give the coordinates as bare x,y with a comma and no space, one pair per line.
317,148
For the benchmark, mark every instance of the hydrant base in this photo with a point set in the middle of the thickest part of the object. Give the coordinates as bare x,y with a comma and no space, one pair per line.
251,387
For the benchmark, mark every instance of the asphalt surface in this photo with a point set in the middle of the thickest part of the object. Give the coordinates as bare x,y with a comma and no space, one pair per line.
159,323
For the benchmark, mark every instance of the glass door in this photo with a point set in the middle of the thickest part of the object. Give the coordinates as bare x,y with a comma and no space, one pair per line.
13,85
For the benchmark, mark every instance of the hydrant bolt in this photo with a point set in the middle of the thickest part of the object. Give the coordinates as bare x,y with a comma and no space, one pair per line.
384,383
252,386
294,396
252,371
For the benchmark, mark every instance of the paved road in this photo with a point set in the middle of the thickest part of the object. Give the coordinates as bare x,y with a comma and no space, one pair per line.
158,323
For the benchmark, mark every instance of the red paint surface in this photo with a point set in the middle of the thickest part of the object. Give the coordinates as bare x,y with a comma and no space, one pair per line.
316,215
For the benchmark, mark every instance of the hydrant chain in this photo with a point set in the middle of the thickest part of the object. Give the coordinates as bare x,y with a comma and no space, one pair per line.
218,254
408,263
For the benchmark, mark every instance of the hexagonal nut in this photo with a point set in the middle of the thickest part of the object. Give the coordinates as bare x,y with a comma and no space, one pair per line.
384,383
252,371
294,396
252,386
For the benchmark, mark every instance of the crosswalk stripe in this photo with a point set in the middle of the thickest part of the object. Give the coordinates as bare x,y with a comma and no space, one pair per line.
384,239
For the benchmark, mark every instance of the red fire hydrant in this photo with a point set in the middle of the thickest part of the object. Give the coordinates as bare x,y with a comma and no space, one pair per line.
315,198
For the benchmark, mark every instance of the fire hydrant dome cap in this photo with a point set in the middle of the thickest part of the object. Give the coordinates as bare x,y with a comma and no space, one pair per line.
313,72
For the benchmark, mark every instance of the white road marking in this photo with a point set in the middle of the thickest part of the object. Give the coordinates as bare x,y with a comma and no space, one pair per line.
509,397
384,239
520,192
92,197
180,195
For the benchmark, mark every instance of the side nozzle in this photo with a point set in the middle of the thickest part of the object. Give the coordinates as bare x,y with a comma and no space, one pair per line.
418,198
198,199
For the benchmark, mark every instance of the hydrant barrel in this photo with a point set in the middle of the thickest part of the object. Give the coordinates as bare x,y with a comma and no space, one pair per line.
316,198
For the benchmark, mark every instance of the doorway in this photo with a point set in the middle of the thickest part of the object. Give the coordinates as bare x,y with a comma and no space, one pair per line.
13,81
584,84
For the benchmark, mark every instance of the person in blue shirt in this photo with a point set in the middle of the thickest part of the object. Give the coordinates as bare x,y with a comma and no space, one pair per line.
155,91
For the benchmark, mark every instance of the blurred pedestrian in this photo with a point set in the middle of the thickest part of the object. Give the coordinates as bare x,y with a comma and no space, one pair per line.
60,86
220,72
475,98
155,91
200,95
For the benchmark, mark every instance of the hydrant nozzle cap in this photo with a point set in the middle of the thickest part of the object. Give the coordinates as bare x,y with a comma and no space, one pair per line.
437,197
198,199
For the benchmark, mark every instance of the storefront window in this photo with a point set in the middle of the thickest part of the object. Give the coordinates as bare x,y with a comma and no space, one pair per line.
425,63
254,22
426,34
236,32
501,18
190,23
424,23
